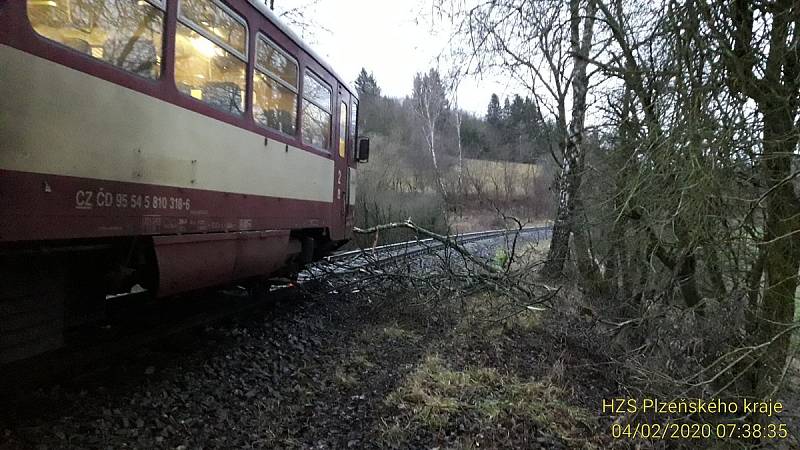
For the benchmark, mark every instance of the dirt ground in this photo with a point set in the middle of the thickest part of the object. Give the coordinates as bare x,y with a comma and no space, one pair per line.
335,373
341,372
325,375
478,219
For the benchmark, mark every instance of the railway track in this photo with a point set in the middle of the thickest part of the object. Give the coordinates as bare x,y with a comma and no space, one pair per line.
352,261
422,245
135,321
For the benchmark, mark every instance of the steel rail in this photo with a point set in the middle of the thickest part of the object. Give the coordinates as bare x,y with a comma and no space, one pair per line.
459,238
352,261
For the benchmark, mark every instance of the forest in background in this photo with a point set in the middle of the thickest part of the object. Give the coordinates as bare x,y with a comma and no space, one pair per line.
449,170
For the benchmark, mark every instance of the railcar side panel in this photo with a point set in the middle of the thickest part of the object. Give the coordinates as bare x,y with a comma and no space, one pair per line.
225,256
86,157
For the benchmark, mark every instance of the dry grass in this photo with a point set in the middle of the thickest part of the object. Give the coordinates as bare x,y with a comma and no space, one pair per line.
391,331
457,396
492,317
344,378
438,398
501,178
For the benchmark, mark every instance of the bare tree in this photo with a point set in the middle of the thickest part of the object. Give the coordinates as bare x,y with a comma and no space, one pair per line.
581,41
298,16
758,44
457,115
430,104
453,84
686,211
545,46
702,192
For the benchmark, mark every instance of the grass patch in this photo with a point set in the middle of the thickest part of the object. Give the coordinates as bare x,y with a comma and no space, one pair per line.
362,361
344,378
493,316
389,332
395,332
531,252
485,405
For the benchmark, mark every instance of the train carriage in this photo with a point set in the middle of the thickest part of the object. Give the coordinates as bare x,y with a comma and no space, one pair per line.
169,144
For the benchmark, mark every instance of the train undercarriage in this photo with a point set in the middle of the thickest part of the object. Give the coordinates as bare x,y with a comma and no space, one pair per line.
49,290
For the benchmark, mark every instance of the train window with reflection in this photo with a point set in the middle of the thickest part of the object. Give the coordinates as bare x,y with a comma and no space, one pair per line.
343,130
317,100
125,33
275,88
211,54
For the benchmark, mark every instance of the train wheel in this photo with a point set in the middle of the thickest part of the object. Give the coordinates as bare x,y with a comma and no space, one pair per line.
31,308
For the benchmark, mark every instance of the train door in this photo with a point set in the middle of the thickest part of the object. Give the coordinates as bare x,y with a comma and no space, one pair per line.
351,161
342,159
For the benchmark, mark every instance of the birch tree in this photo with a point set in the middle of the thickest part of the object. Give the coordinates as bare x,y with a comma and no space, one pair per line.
430,104
581,24
546,47
453,86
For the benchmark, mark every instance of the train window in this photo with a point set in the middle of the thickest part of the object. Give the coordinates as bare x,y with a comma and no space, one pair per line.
211,55
125,33
317,91
275,62
342,129
317,99
216,21
275,88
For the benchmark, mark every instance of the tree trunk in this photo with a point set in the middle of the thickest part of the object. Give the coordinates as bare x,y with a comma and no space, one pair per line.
593,282
777,95
436,172
559,242
781,246
460,150
574,152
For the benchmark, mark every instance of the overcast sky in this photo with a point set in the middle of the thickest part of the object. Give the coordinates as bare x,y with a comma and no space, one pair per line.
394,40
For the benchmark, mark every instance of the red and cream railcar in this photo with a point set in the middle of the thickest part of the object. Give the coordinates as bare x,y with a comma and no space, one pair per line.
171,144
